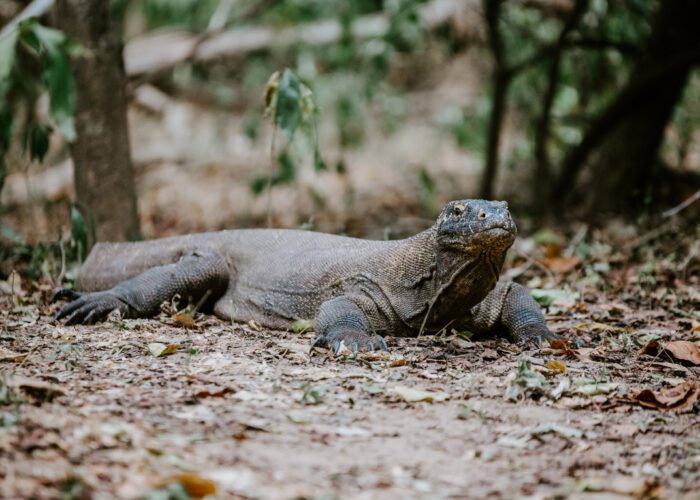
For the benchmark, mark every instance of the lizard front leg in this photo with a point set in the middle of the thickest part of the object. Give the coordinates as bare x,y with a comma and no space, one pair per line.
194,276
341,322
510,308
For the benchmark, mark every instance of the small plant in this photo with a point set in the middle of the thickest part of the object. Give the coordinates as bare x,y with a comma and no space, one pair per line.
290,104
311,395
68,353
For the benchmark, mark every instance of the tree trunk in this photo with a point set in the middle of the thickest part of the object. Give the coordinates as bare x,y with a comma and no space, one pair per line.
623,143
501,79
103,175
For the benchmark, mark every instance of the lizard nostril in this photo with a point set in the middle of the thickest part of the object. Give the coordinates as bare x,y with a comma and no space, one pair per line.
482,215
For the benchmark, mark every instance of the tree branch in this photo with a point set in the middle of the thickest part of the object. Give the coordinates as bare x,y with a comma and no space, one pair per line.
542,129
161,50
35,9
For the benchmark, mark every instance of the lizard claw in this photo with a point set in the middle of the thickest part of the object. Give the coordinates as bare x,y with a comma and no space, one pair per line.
356,341
535,333
91,307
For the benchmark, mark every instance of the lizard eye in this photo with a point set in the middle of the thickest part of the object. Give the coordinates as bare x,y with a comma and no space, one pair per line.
458,210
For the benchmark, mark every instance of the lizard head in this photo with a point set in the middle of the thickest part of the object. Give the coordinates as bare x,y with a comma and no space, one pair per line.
476,226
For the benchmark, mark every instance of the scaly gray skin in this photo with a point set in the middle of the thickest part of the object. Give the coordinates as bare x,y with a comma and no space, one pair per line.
358,291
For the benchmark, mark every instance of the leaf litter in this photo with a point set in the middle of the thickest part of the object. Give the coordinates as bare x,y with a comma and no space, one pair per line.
141,408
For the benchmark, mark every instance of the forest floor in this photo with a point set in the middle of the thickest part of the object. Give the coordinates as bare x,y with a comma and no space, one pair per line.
151,408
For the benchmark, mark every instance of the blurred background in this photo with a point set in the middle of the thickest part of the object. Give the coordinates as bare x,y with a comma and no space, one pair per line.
144,118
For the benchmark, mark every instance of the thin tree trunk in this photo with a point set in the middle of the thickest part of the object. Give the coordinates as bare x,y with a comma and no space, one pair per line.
498,110
541,183
103,175
501,81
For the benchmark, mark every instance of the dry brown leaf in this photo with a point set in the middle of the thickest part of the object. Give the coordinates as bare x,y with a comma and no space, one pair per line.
195,485
211,392
15,357
398,362
684,351
185,319
562,265
679,350
556,366
36,388
677,398
159,349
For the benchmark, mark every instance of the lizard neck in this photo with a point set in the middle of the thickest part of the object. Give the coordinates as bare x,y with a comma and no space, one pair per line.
446,281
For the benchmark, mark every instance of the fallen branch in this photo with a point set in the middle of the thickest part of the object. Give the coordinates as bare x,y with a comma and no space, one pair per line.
160,51
675,210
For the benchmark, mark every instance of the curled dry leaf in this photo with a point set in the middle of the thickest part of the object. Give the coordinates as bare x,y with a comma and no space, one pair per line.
185,319
556,366
679,350
195,485
678,398
394,363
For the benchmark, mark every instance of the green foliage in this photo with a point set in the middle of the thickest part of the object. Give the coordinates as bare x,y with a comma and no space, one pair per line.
290,104
35,59
192,14
53,49
79,233
468,127
405,31
686,120
7,53
36,141
350,120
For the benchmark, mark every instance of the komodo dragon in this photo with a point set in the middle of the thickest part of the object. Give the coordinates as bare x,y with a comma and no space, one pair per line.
357,290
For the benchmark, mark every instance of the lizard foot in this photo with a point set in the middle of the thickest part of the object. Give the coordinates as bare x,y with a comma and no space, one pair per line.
89,308
535,333
356,341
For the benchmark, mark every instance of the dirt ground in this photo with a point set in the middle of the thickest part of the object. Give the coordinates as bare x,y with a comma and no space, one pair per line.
150,408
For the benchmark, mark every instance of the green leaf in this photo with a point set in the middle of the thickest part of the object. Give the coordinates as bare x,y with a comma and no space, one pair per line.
258,185
288,107
13,236
319,164
7,53
78,229
5,127
287,171
302,326
55,48
36,140
58,79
